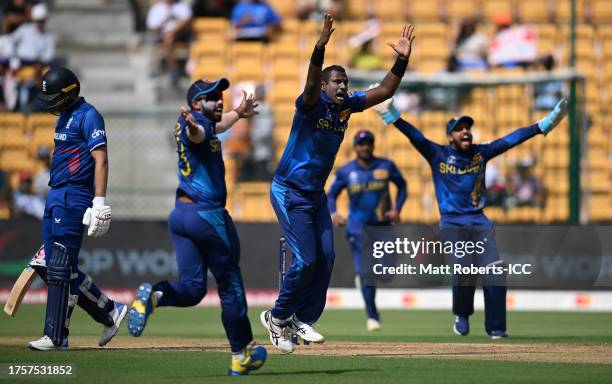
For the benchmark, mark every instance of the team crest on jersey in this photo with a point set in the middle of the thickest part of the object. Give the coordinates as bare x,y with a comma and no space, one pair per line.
69,122
381,174
344,115
476,159
215,144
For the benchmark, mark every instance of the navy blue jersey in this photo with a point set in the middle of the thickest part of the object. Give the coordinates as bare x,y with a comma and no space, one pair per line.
316,135
201,171
459,178
78,131
368,190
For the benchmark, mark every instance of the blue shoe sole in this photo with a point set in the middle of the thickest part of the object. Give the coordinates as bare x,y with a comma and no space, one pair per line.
137,321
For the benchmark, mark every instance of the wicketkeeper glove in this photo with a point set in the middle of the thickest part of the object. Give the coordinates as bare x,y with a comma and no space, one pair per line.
386,109
555,116
97,218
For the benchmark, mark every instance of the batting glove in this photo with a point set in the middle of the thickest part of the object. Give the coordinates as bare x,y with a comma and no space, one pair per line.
548,123
97,218
386,110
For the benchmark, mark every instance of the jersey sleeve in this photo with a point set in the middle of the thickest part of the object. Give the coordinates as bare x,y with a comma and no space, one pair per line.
93,129
426,147
503,144
299,105
209,131
337,186
402,188
356,101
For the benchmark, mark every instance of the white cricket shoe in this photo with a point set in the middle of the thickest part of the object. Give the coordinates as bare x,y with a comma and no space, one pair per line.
305,331
373,325
279,335
109,332
45,344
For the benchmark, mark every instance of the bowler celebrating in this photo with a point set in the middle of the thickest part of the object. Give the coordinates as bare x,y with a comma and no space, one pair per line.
367,181
297,195
459,179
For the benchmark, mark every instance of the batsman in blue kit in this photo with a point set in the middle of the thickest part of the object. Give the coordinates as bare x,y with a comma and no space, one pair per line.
297,191
458,171
79,174
367,181
202,231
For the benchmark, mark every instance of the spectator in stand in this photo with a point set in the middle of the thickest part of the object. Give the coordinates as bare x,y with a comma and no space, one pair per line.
495,185
513,45
260,163
524,189
213,8
16,12
25,202
315,9
30,50
254,20
170,20
5,195
470,50
365,57
544,92
40,184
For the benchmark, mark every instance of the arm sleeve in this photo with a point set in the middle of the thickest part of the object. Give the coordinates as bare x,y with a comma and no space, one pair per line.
402,187
503,144
356,101
93,130
426,147
337,186
299,105
209,130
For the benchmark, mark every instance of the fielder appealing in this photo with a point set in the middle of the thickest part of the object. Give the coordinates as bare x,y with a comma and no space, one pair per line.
367,181
458,173
79,173
202,231
297,195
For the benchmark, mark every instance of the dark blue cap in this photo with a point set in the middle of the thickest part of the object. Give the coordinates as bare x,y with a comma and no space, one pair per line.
452,123
202,87
363,135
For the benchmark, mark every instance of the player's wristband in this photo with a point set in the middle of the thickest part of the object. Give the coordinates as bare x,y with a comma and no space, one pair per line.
318,54
390,116
399,67
99,201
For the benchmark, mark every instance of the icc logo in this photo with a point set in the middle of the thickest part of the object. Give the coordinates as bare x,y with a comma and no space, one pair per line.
44,86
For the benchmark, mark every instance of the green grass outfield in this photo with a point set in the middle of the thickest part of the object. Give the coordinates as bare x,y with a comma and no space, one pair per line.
187,366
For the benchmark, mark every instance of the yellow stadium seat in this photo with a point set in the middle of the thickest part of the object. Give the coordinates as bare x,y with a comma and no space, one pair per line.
16,160
210,25
491,8
424,10
10,119
210,68
13,137
40,120
390,9
461,9
203,49
534,11
285,9
360,9
563,10
601,11
43,136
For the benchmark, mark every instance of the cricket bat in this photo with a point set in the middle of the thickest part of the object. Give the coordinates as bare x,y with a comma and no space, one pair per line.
19,290
23,282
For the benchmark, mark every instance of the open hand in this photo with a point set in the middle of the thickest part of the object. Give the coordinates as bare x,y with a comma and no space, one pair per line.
247,106
328,23
403,47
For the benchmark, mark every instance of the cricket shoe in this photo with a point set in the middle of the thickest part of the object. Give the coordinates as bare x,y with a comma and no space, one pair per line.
46,344
279,335
118,315
141,309
255,358
496,335
305,331
461,326
373,325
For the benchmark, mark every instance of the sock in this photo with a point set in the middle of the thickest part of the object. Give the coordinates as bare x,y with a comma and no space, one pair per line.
240,356
158,295
280,322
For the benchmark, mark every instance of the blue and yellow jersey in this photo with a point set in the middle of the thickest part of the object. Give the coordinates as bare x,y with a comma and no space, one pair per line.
368,190
78,131
459,178
201,171
316,135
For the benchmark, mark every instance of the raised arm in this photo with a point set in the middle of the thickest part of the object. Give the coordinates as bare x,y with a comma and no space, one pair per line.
520,135
244,110
312,89
389,84
391,115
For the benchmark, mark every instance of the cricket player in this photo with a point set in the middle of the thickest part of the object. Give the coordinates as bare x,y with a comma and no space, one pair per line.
79,174
202,231
367,181
458,171
297,191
